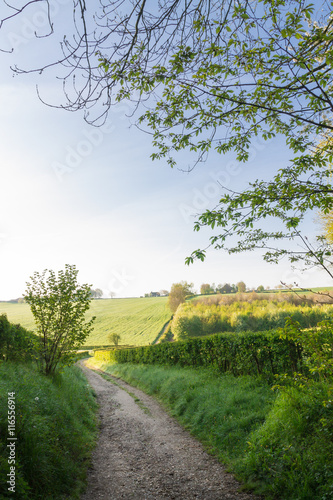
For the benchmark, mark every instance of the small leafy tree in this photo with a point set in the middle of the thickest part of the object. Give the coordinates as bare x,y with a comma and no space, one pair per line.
241,287
226,288
58,304
178,294
115,338
206,289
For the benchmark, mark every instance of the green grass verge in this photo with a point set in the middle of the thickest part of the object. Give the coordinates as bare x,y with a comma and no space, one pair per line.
279,443
55,428
220,410
138,321
290,455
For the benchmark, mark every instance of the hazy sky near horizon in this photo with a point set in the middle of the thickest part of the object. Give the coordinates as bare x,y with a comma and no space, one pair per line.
71,193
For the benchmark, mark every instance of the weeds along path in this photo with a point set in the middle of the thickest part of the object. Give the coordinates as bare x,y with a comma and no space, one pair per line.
143,454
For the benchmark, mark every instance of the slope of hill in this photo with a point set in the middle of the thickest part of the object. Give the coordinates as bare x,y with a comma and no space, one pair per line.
137,321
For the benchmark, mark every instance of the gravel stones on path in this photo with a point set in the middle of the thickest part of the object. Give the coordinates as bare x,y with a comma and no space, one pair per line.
143,454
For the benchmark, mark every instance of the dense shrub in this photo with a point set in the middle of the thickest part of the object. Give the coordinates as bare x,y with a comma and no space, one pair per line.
240,354
194,319
290,455
302,298
16,343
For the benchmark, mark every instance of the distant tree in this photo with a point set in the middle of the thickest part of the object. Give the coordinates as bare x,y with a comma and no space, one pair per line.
112,295
97,293
114,338
226,288
178,294
260,288
241,287
205,289
59,305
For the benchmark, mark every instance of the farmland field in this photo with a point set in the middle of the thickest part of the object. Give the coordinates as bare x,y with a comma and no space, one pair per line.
138,321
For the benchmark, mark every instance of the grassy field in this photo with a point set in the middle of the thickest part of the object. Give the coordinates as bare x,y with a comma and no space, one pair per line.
137,321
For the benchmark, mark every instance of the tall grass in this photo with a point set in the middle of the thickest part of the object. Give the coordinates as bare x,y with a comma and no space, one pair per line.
290,455
55,430
280,443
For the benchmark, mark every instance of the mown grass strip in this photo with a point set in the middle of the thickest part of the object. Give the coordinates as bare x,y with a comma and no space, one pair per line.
112,381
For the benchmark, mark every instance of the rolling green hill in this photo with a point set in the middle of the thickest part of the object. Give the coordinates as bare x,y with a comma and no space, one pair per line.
137,321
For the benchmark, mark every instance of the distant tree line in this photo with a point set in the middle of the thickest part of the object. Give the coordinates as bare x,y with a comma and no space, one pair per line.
207,289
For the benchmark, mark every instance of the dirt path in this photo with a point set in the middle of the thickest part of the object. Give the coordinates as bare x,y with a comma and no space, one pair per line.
143,454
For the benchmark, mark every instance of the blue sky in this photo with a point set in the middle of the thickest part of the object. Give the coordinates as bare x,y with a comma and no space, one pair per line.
93,197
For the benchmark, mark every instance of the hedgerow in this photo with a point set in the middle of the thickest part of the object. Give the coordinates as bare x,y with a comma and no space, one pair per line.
237,353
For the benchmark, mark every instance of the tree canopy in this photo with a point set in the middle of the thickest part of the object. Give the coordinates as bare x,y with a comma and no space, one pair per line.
178,294
58,304
212,75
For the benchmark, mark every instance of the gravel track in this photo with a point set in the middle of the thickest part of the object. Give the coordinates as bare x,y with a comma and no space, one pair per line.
143,454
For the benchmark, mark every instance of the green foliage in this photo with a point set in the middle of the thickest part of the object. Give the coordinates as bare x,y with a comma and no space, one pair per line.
55,430
262,353
178,294
197,318
206,289
58,305
215,76
290,456
239,71
318,346
16,343
241,287
115,338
